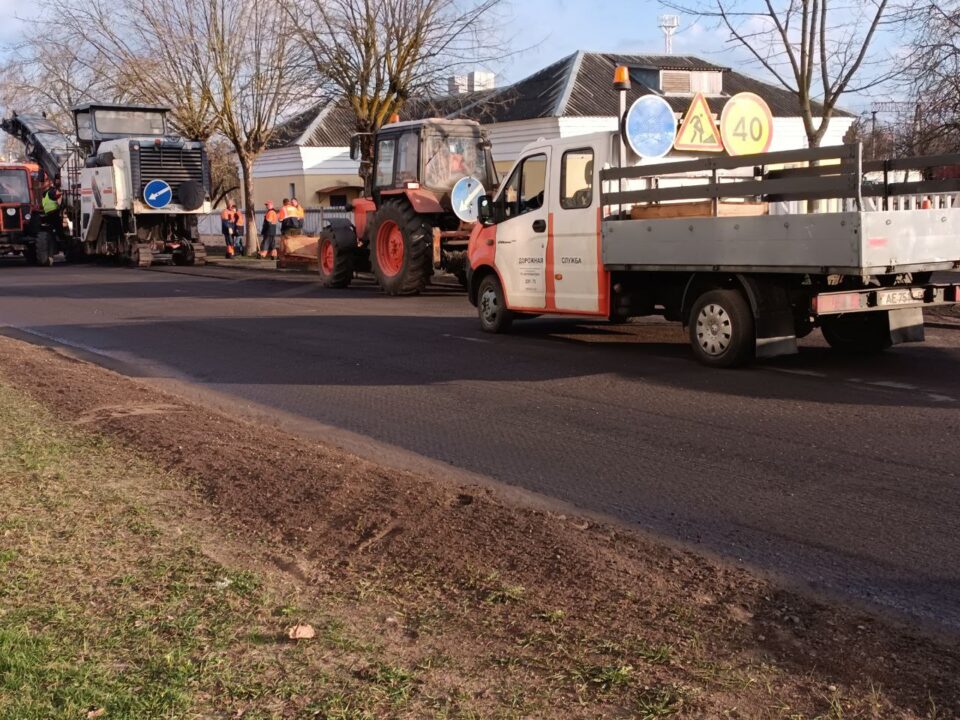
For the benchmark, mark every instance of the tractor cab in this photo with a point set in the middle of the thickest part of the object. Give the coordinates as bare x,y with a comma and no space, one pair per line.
18,198
430,155
99,122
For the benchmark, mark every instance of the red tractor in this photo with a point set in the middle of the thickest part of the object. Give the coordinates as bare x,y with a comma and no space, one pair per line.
427,177
20,214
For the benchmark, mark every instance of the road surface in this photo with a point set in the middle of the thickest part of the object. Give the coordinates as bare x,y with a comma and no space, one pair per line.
841,474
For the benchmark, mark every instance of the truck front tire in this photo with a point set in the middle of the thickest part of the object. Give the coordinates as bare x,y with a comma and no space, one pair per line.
495,316
721,328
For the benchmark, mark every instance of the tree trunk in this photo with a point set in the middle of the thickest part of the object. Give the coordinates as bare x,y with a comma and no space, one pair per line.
252,243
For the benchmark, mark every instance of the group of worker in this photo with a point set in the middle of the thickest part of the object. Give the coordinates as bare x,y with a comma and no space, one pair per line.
288,218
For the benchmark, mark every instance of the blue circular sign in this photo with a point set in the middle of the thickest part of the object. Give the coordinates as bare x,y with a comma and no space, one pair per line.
650,127
158,194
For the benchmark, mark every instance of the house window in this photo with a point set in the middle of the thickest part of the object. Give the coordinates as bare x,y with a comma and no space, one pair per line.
293,190
576,179
687,82
385,152
338,201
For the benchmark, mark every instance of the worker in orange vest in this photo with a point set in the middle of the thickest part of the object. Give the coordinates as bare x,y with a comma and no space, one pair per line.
228,227
298,209
287,216
269,233
240,229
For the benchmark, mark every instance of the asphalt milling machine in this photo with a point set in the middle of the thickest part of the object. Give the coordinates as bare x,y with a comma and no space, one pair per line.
132,190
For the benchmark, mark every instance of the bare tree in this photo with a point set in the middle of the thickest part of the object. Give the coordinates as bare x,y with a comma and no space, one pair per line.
819,50
933,75
376,54
231,68
257,76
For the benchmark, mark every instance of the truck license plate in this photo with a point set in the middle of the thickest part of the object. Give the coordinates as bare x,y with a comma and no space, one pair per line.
896,297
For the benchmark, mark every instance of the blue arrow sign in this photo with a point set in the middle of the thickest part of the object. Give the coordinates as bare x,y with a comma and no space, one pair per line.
650,127
157,194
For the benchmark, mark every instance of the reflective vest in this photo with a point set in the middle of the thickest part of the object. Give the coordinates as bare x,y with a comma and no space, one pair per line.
285,213
49,202
299,211
240,219
226,215
271,216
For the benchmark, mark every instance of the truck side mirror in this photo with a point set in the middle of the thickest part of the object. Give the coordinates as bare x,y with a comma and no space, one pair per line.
355,146
485,210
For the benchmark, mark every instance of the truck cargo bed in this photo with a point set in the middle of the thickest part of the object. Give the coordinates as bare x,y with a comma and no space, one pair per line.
639,233
849,243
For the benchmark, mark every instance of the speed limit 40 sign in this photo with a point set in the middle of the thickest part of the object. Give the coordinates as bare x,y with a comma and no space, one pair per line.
746,124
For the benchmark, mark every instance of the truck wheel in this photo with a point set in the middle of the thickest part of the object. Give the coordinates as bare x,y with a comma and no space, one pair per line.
721,329
495,317
400,250
334,263
857,333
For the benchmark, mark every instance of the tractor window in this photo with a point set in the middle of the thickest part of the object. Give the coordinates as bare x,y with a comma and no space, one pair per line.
576,179
451,157
14,187
524,190
385,152
407,170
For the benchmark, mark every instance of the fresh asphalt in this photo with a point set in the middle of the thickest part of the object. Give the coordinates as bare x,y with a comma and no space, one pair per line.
841,474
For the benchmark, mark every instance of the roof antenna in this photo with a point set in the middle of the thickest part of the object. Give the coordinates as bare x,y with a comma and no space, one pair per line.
668,24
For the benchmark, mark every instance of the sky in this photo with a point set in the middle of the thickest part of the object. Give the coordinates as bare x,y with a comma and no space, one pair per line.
543,31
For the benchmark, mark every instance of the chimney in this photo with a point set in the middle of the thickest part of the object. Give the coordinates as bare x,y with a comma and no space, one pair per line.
457,84
481,80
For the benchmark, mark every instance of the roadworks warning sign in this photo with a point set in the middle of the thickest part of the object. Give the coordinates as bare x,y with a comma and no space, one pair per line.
699,131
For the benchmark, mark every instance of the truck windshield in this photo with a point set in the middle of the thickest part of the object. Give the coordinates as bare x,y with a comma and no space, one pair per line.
14,187
128,122
451,157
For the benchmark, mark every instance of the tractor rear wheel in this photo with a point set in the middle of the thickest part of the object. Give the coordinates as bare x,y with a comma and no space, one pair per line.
400,251
335,263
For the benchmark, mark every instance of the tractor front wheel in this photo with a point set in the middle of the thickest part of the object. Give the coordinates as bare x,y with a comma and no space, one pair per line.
400,249
335,263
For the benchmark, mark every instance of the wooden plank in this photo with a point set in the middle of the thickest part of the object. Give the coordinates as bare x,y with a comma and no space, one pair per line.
697,209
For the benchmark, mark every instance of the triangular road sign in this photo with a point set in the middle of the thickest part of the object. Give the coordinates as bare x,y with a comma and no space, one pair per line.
699,132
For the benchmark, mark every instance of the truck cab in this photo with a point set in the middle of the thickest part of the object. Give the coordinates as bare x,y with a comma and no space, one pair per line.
540,233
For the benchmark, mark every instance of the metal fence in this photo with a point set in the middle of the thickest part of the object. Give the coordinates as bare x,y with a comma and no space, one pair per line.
313,220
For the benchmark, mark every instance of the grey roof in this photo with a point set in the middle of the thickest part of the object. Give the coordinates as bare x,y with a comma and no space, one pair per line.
331,123
579,85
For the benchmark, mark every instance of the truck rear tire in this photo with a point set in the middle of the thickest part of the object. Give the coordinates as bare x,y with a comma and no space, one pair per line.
857,333
721,329
495,317
400,249
334,263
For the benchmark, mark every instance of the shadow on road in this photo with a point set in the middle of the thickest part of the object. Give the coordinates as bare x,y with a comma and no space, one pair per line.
405,350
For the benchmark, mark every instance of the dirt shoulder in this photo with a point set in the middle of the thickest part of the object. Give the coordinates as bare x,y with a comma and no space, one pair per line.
433,599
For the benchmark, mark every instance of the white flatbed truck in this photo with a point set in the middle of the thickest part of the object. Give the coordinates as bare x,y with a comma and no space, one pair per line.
732,247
